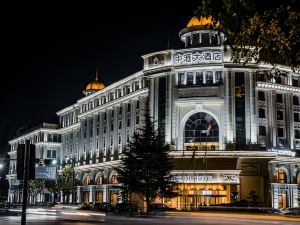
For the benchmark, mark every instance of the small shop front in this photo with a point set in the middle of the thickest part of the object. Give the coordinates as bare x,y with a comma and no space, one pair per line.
204,188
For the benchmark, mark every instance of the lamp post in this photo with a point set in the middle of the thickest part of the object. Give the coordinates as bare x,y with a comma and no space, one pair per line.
73,175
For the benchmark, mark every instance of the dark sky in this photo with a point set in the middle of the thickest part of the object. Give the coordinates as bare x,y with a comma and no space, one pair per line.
50,52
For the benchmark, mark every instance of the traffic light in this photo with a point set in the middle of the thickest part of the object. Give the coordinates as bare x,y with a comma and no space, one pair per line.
21,160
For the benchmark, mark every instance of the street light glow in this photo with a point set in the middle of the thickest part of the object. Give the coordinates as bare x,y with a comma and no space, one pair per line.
1,166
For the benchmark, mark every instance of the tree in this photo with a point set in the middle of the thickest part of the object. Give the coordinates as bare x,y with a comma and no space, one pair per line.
258,32
253,199
66,184
37,188
146,164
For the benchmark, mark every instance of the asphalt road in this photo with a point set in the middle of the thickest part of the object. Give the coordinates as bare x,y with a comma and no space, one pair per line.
59,216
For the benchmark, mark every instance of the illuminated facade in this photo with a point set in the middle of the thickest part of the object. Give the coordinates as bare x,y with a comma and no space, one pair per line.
47,140
232,130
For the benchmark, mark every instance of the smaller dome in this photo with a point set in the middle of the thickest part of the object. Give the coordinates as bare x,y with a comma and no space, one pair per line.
202,22
95,85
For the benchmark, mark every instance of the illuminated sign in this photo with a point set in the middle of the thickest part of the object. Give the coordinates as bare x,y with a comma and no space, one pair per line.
210,178
197,56
283,152
45,172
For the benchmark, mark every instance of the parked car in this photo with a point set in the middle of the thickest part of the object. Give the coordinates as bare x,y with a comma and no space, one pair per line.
103,206
125,207
161,207
290,211
83,206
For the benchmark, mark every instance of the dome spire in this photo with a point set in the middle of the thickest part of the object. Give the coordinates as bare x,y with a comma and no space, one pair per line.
97,75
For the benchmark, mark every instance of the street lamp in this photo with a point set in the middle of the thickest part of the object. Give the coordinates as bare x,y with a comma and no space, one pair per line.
73,175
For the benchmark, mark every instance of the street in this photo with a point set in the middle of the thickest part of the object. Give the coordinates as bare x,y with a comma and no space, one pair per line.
59,216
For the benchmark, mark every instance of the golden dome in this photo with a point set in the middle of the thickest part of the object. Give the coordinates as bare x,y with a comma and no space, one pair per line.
202,22
95,85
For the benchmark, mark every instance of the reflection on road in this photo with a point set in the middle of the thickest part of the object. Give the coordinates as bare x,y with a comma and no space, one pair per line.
59,216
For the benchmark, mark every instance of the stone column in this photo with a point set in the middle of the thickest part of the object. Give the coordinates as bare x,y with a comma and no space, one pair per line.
168,109
228,106
79,195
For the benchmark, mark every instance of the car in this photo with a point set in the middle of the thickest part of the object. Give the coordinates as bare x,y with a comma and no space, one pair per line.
83,206
125,207
103,206
290,211
161,207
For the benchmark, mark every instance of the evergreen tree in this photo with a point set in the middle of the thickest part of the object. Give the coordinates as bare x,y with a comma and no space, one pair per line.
253,199
146,164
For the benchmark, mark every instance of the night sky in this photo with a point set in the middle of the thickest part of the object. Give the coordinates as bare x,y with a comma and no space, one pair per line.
50,52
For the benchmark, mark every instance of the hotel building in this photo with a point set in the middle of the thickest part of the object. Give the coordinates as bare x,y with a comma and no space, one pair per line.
232,128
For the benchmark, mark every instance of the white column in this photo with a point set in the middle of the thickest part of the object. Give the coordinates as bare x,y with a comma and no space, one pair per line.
104,193
168,109
214,77
79,197
229,106
253,113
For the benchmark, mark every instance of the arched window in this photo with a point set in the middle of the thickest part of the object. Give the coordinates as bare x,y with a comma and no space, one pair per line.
99,180
201,132
86,180
114,179
281,177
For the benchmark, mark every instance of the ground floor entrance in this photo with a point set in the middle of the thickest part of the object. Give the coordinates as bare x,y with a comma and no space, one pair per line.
193,196
285,195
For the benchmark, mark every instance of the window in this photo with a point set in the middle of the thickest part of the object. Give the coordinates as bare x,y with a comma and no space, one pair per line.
295,100
128,107
120,124
261,96
111,126
296,117
119,138
190,78
51,154
201,132
279,115
137,120
297,134
209,77
281,177
295,82
219,77
278,80
199,78
261,76
181,79
279,98
137,104
261,113
262,130
128,122
280,132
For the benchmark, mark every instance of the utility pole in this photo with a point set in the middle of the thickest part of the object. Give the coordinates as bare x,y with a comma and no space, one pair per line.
25,181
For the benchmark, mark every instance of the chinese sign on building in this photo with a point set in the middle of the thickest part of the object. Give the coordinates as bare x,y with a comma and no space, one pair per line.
197,56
